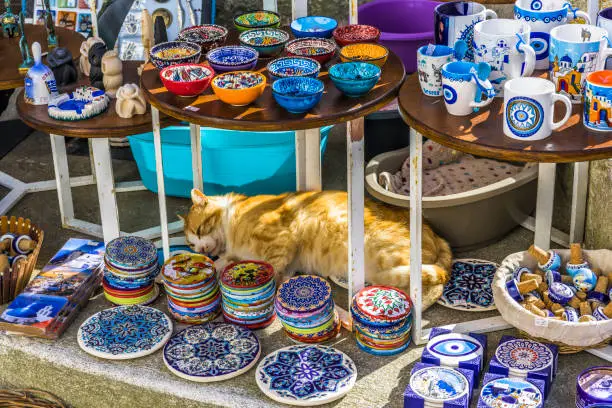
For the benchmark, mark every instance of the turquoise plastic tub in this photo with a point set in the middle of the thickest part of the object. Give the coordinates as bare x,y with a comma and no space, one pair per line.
243,162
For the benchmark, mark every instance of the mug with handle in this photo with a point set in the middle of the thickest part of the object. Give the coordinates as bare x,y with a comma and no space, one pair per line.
463,84
529,107
430,60
504,45
604,20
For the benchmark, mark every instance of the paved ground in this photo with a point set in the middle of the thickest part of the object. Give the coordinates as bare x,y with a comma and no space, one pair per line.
84,381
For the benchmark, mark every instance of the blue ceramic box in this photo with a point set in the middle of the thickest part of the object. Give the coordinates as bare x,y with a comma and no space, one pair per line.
510,391
522,358
449,349
437,389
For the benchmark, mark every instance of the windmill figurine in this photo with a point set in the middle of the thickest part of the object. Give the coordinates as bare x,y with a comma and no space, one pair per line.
10,26
27,60
51,37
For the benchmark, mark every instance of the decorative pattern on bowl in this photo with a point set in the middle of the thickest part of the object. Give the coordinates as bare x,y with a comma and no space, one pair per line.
373,53
232,58
297,94
186,79
269,42
355,79
175,52
313,26
320,49
356,33
293,67
207,36
239,88
256,19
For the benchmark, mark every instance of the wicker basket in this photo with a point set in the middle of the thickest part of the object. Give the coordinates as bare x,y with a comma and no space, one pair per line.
17,279
570,337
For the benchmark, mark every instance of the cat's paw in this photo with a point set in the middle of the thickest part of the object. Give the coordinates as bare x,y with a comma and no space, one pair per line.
223,261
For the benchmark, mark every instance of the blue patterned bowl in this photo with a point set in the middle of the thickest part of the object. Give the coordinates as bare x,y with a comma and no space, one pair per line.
293,67
313,26
355,78
232,58
269,42
297,94
175,52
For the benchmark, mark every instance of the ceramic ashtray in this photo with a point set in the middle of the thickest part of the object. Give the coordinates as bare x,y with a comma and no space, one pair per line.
83,103
232,58
256,19
268,42
175,52
293,67
239,88
186,79
319,49
207,36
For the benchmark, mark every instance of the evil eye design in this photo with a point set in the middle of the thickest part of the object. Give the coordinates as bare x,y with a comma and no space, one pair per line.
539,43
450,95
524,116
454,347
536,5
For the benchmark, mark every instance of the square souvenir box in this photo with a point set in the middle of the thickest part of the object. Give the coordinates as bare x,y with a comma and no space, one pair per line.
501,389
448,349
522,358
440,387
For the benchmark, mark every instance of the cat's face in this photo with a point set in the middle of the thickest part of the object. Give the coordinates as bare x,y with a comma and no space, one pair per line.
203,225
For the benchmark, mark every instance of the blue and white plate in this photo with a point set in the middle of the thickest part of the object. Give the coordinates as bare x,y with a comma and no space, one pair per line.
454,348
131,252
125,332
511,392
304,293
439,384
522,356
211,352
469,287
306,375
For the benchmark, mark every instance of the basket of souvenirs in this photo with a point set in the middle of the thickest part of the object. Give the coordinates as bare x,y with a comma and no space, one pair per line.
560,297
20,243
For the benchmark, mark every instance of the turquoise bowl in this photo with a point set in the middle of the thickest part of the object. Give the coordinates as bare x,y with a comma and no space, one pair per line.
355,79
269,42
297,94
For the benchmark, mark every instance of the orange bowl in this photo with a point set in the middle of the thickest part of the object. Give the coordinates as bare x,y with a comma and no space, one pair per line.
365,52
239,88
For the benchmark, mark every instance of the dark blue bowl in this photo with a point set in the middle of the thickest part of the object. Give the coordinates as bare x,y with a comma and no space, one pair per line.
297,94
355,78
293,67
313,26
269,42
232,58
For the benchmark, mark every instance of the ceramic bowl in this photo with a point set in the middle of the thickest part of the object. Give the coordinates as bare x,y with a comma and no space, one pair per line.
313,26
319,49
232,58
297,94
239,88
256,19
207,36
356,33
373,53
269,42
175,52
355,78
186,79
293,67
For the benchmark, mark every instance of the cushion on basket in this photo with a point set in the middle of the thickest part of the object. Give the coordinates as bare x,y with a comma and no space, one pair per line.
579,334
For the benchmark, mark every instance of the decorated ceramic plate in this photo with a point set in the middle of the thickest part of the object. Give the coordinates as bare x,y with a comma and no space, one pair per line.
469,287
454,348
383,303
188,269
521,355
247,275
306,375
439,384
125,332
511,392
304,293
131,252
211,352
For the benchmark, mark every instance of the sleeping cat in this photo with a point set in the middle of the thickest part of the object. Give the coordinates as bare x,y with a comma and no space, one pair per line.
307,232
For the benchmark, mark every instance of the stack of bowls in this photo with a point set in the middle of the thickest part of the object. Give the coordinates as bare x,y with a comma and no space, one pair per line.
248,290
191,285
130,268
306,309
382,318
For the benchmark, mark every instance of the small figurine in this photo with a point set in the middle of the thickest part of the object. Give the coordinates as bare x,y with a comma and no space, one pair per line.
39,81
112,69
26,58
160,34
51,37
96,52
60,61
10,26
146,36
84,51
130,101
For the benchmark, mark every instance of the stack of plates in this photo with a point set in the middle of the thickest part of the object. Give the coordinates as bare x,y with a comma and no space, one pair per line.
248,291
191,284
306,310
130,268
382,317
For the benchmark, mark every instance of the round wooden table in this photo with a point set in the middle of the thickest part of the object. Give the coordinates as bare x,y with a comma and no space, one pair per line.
10,77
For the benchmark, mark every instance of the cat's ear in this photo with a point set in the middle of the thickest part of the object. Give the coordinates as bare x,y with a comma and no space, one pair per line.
198,197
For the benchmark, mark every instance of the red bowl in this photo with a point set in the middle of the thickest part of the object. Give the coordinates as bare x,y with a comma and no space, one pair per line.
187,79
356,33
320,49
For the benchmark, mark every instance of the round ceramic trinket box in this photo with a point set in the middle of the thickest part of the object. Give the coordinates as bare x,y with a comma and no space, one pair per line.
469,287
306,375
522,356
594,386
188,269
511,392
437,385
304,293
454,348
211,352
124,332
246,275
131,252
383,303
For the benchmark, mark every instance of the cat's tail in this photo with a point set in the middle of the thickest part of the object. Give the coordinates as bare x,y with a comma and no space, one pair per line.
438,272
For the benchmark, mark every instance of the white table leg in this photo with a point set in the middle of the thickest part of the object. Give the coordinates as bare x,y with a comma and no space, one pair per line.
308,160
299,8
62,178
579,201
544,206
106,188
270,5
196,156
161,188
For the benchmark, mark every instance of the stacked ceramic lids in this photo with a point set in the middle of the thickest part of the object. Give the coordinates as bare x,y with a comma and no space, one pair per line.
130,270
248,291
192,289
382,317
306,310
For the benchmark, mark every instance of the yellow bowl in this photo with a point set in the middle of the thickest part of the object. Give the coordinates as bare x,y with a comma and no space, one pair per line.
239,88
373,53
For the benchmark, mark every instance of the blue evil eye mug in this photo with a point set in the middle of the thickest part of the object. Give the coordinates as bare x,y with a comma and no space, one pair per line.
463,89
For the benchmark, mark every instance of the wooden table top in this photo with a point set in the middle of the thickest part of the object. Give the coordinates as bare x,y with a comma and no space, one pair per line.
481,133
107,124
10,77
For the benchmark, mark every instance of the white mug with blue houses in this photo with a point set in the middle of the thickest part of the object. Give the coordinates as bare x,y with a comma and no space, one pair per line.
542,16
463,87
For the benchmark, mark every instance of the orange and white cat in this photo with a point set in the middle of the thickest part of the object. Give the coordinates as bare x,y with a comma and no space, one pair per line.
307,232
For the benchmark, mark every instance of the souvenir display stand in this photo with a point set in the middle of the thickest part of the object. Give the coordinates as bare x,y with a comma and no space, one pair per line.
98,129
481,134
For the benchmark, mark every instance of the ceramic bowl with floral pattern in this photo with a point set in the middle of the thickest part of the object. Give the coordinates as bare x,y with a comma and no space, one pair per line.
355,79
269,42
186,79
319,49
372,53
232,58
297,94
175,52
356,33
207,36
256,19
239,88
293,67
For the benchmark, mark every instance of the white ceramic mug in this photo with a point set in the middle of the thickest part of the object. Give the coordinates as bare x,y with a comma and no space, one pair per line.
430,60
504,45
462,89
529,107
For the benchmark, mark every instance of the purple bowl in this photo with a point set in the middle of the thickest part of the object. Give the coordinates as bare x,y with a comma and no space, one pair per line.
232,58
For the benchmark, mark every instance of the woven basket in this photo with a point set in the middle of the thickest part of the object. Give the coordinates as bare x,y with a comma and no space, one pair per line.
19,277
28,398
569,336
